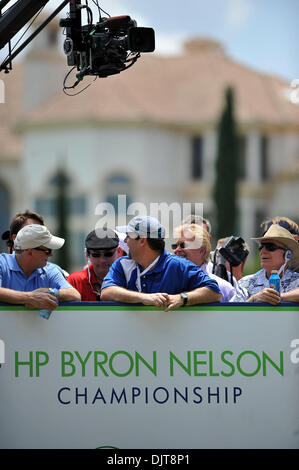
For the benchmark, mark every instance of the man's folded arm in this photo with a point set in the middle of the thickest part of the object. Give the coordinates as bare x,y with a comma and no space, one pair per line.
290,296
120,294
69,294
203,295
39,298
11,296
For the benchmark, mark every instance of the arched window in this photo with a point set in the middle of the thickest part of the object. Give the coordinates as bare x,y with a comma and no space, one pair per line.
197,158
118,185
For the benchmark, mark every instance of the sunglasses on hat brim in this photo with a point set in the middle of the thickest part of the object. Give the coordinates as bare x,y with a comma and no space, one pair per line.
283,224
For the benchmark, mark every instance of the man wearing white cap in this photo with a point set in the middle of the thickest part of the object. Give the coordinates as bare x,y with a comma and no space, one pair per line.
25,277
278,251
153,277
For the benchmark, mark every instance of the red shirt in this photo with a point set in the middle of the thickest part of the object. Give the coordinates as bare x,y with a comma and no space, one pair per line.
86,283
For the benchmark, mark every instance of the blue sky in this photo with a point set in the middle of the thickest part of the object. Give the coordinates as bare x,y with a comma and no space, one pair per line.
263,34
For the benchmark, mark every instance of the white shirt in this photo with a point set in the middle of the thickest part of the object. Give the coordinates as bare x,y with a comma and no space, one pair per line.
255,283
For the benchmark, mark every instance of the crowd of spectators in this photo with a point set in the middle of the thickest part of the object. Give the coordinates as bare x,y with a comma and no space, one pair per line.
129,264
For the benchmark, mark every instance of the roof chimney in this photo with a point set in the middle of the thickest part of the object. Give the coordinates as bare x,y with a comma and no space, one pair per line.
199,45
44,66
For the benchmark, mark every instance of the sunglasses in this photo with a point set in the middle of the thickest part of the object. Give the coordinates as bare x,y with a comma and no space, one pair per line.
48,251
181,245
106,254
283,224
270,247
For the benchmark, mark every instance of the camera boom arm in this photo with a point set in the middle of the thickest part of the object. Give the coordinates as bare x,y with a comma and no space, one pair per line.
13,20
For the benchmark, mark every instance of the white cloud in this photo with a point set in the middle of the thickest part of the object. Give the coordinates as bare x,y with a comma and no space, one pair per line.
238,12
169,44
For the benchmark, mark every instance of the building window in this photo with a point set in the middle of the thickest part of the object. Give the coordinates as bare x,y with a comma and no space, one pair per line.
4,214
242,146
116,185
264,158
197,158
77,205
47,206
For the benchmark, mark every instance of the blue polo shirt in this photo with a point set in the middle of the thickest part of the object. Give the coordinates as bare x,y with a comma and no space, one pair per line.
171,275
13,277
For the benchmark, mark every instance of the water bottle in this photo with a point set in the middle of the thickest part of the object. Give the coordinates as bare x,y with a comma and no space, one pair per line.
44,313
274,281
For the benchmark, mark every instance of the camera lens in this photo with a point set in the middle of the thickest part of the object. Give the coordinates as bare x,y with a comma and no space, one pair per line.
141,39
68,46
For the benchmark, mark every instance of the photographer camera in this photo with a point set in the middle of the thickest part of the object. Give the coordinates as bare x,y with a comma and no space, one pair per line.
229,258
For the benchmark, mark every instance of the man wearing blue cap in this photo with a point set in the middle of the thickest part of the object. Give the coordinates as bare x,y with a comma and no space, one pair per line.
151,275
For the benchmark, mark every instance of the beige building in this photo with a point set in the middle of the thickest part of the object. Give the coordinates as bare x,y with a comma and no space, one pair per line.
148,133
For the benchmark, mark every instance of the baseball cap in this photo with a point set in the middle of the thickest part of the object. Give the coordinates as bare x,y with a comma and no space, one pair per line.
144,226
34,235
101,239
122,242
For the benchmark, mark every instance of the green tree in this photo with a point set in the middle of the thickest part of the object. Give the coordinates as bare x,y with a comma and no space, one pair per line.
62,182
227,168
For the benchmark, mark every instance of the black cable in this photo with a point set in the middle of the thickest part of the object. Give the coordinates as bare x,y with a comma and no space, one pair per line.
101,9
29,26
131,61
89,13
96,2
74,85
231,274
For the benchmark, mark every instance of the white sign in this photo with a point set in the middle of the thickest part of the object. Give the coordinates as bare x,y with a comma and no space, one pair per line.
210,377
2,352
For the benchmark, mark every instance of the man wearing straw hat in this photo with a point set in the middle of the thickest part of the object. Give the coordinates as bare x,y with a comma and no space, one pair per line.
278,251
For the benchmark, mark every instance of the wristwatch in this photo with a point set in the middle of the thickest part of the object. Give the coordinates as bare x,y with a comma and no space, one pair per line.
184,296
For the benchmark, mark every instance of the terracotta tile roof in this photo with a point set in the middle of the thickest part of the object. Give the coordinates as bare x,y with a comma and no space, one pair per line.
184,90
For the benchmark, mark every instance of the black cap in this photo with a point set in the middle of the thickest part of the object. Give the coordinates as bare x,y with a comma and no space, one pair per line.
102,239
5,235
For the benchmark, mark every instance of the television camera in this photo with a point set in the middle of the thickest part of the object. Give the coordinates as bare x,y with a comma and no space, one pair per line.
105,48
